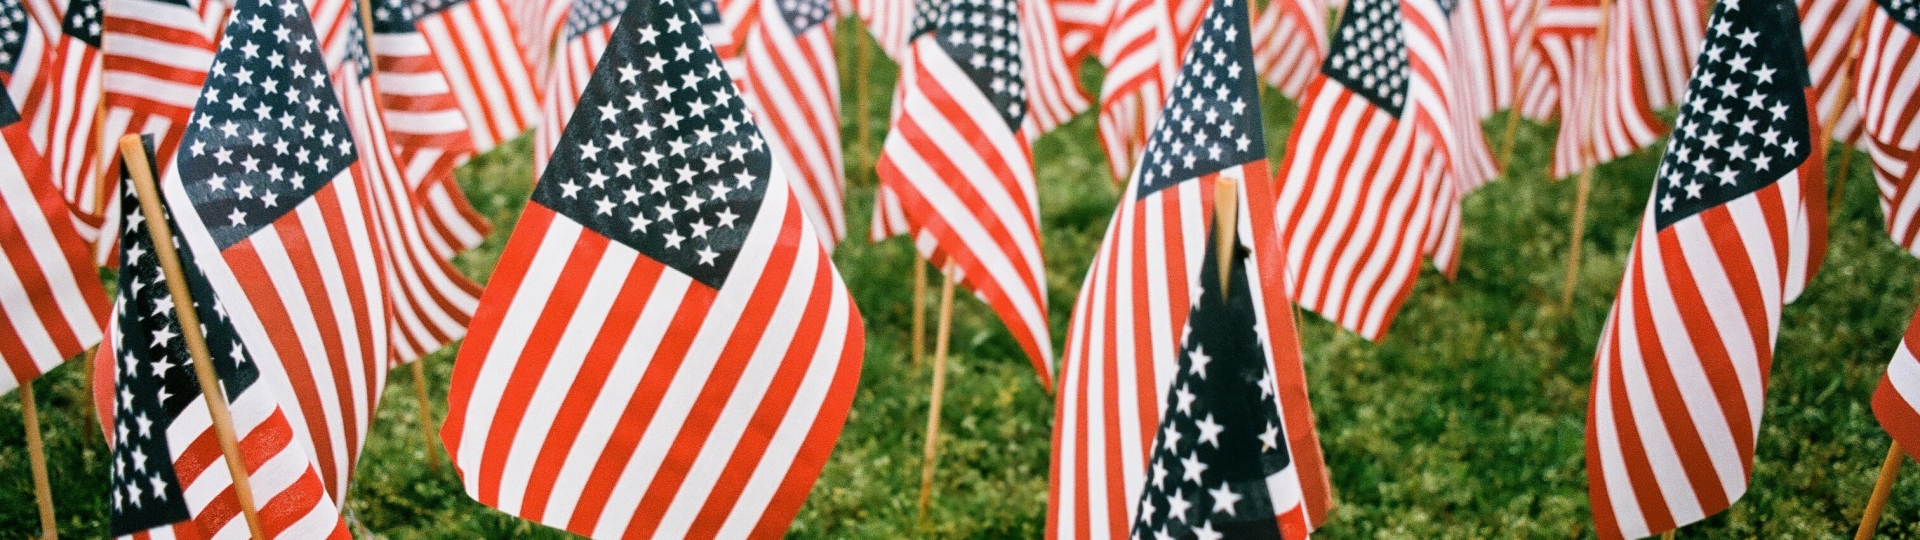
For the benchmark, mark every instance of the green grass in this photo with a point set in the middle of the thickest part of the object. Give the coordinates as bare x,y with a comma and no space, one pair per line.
1466,421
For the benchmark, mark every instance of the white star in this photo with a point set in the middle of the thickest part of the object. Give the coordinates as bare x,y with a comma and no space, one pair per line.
604,206
639,221
607,112
707,256
700,228
1200,361
588,151
1210,431
1765,74
1205,532
1185,398
139,459
674,239
1763,162
1159,473
1224,499
572,189
1191,468
1270,439
1177,506
627,73
1170,438
237,218
1693,190
726,217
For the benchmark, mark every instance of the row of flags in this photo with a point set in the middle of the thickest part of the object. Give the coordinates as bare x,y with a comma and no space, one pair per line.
690,190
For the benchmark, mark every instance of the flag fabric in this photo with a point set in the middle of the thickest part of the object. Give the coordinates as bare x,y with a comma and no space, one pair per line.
1128,330
589,24
958,162
1884,93
1380,158
1289,42
268,178
69,136
539,23
169,478
427,128
1222,461
795,97
1896,401
664,351
1734,229
1658,30
1623,121
1486,46
475,43
1140,50
1829,29
890,22
51,302
1081,25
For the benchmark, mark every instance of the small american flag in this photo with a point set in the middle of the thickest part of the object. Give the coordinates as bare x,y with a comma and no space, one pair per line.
589,25
51,302
1222,462
1681,373
1485,48
169,478
795,95
1623,121
1380,156
1124,343
267,177
1082,23
1655,32
476,44
1884,93
68,137
958,161
1289,40
1141,54
1896,401
1830,29
890,22
427,127
665,350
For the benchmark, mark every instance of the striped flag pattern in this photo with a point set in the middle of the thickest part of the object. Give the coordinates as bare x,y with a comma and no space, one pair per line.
795,97
664,351
51,302
68,136
169,478
1126,337
1485,47
476,45
299,258
958,161
1289,41
1896,401
1829,29
1379,161
1624,121
1884,94
889,21
1141,55
1734,229
1657,31
427,128
1081,24
589,25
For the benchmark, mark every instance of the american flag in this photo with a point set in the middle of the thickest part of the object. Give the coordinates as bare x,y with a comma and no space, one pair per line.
169,478
589,25
958,162
890,22
427,127
1053,76
1124,343
1896,401
1884,94
1141,54
476,44
1734,229
1222,460
1082,24
1380,157
51,302
1289,41
1830,30
1623,121
268,177
1486,47
795,95
68,135
665,350
1656,32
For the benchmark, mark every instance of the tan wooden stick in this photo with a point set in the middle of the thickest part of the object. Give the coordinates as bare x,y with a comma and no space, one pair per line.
919,311
939,388
1226,214
1586,175
1854,44
862,99
1666,535
1513,110
1889,471
134,158
37,459
427,439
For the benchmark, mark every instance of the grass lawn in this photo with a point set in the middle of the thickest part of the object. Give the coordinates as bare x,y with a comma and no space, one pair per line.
1465,421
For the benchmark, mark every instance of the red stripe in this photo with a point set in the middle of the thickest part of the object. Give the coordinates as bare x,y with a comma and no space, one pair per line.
516,259
1896,414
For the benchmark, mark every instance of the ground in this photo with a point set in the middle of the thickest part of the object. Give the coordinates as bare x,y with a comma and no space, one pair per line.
1465,421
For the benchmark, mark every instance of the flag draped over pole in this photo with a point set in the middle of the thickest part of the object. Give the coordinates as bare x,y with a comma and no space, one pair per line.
664,350
589,23
1883,92
1141,50
1832,34
267,177
168,479
1289,42
957,161
1734,229
1128,329
795,96
69,135
1896,401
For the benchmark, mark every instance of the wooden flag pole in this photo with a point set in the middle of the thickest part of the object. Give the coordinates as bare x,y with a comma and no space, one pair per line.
1513,110
1666,535
1586,175
426,412
939,388
37,460
863,62
1854,44
1226,213
1889,471
134,158
919,311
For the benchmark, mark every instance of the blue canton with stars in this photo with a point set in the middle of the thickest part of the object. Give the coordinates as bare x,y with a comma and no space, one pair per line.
267,132
13,40
423,8
589,14
82,21
802,15
154,381
983,38
1220,433
660,155
1906,12
393,16
1744,124
1212,118
1369,54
